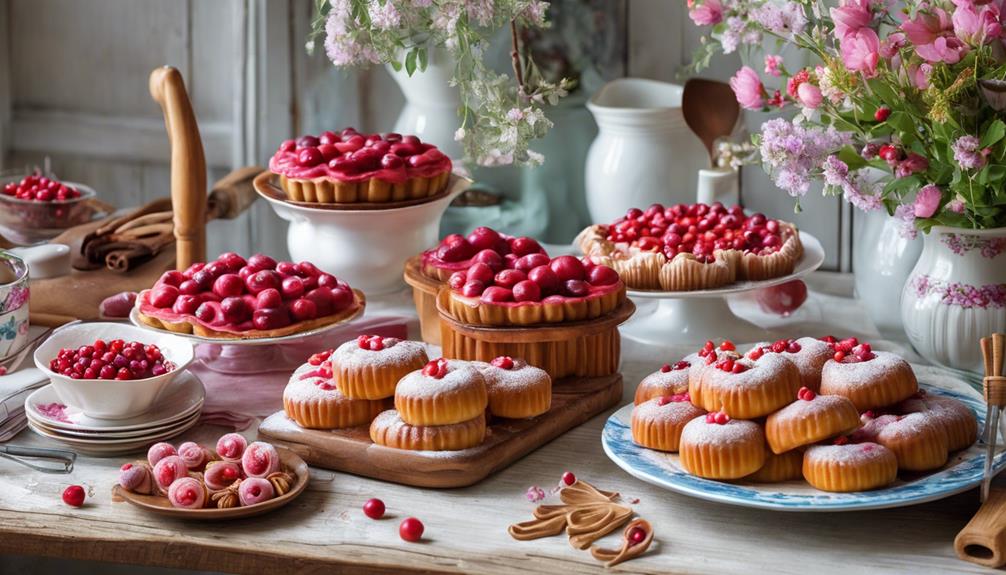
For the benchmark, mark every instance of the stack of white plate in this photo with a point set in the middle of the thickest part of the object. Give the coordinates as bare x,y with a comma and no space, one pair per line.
174,412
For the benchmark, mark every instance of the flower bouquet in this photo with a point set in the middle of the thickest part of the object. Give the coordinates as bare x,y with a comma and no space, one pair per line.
903,108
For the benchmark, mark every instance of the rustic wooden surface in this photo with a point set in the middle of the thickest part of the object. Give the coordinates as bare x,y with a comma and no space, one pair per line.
324,530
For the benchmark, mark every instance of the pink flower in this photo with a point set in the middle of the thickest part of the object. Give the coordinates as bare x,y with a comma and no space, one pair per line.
927,200
932,32
956,206
851,16
947,49
861,51
919,75
772,64
748,89
975,25
890,46
912,164
708,13
809,95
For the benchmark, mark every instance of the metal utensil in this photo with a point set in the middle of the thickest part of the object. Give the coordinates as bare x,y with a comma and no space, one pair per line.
994,386
61,460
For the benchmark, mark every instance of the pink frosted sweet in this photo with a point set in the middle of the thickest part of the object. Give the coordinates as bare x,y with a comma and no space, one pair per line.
255,490
137,478
168,470
260,459
187,493
159,451
221,474
231,447
194,455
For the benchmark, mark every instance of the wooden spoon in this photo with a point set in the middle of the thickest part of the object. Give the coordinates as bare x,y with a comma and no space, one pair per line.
710,109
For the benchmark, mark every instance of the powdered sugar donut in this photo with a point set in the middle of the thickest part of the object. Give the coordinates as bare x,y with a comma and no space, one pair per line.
807,354
871,379
708,355
260,459
369,367
657,422
188,493
779,467
916,439
255,490
168,470
137,477
670,379
221,474
390,430
516,389
442,393
231,447
159,451
313,400
194,455
810,419
746,389
955,417
715,446
849,466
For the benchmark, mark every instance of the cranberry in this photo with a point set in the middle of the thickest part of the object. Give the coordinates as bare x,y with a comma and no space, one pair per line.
602,276
526,290
273,318
206,313
233,261
481,273
503,362
263,280
235,310
229,285
262,262
374,508
496,294
307,142
268,299
185,304
163,296
189,287
547,279
531,261
172,278
455,251
489,258
568,478
568,268
457,280
436,368
286,269
882,114
391,161
292,287
509,278
303,309
576,288
74,496
411,529
307,269
805,394
636,536
483,238
326,301
524,246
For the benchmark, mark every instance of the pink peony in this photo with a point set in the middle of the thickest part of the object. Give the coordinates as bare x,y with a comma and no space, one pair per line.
976,25
912,164
809,95
890,46
932,32
927,200
861,51
949,49
708,13
851,16
748,89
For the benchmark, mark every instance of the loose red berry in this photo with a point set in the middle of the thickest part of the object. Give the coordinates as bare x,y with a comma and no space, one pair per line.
882,113
74,496
374,508
636,536
411,529
568,478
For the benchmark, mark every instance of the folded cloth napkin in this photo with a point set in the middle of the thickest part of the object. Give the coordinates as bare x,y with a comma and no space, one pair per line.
244,383
14,389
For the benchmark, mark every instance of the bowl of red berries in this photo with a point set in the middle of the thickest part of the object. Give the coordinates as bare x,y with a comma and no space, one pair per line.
36,208
111,370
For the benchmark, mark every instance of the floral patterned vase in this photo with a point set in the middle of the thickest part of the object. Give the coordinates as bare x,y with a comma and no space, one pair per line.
956,295
14,294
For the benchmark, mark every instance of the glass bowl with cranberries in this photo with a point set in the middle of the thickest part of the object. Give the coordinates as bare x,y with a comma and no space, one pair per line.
111,370
37,208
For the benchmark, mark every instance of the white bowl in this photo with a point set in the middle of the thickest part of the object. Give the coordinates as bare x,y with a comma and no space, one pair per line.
365,248
112,399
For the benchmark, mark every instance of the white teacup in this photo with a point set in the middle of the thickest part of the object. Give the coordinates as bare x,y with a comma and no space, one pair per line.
14,293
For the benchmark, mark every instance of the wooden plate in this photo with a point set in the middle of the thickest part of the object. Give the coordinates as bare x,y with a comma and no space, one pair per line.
266,186
161,506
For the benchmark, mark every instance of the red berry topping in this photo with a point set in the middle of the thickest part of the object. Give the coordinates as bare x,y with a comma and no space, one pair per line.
568,478
320,357
839,355
503,362
665,368
756,353
436,368
411,529
663,400
74,496
728,346
805,394
681,365
374,508
841,440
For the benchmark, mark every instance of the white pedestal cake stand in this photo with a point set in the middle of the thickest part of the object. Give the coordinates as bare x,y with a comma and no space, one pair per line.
684,318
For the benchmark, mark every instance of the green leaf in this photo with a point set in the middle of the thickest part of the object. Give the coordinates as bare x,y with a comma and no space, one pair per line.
851,158
993,133
423,59
410,62
396,65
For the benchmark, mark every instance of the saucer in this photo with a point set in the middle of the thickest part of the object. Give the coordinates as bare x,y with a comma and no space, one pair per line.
182,398
105,436
113,446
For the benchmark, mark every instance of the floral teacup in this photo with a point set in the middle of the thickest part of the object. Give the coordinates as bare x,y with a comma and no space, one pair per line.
13,304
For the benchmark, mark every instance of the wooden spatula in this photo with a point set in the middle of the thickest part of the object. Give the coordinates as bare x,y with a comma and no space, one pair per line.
710,109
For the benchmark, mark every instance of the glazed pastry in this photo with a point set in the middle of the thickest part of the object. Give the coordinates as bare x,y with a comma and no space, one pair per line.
313,401
807,354
168,470
231,447
389,430
565,290
370,366
668,380
955,417
221,474
871,379
849,466
442,393
138,478
778,468
657,423
255,490
350,167
718,447
188,493
916,439
194,455
159,451
810,419
700,246
260,459
746,389
516,390
457,253
232,298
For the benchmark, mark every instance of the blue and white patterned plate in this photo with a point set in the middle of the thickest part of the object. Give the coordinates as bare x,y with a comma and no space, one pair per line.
963,472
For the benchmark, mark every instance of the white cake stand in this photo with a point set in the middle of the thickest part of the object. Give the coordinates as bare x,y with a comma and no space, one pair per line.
685,318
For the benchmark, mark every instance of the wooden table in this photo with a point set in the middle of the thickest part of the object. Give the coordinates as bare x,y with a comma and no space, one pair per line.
326,532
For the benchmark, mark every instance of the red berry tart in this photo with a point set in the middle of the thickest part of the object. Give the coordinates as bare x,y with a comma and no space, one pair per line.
458,253
247,299
700,246
562,290
350,167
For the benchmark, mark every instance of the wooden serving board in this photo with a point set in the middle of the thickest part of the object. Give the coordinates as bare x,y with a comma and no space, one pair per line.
574,401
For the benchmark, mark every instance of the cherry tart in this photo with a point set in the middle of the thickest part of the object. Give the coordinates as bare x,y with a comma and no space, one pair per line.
564,289
350,167
234,298
682,247
484,245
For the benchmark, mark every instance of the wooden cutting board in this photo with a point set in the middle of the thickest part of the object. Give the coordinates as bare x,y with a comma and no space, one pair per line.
574,401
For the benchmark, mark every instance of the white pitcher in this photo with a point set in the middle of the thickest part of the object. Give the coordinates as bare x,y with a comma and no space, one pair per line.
644,152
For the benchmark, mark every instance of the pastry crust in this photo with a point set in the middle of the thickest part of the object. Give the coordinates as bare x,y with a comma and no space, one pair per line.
389,430
518,393
722,451
312,406
883,380
367,374
553,309
804,422
458,396
849,467
327,190
658,422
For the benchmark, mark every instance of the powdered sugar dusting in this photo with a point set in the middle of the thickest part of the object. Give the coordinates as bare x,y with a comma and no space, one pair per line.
766,370
673,381
801,409
849,454
864,373
521,377
302,388
672,411
736,430
897,427
395,352
461,376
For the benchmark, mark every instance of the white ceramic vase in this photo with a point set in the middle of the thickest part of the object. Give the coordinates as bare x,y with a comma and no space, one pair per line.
882,259
956,295
431,103
644,152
